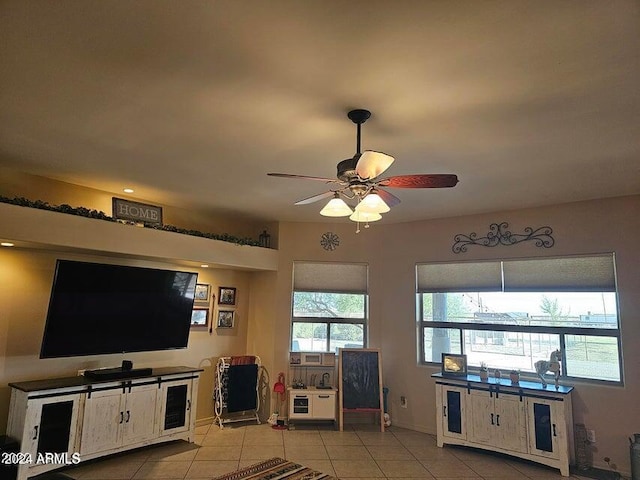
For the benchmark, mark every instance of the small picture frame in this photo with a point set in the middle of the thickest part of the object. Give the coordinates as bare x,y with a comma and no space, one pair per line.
226,318
203,291
454,364
226,296
200,318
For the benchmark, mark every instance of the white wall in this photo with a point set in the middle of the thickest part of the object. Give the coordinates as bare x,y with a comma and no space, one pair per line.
392,252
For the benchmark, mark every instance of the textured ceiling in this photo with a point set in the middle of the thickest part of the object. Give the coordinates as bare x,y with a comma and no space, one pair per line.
192,102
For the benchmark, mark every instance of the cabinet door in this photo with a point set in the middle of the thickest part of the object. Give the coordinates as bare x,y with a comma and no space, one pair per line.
51,425
453,412
481,420
510,420
544,429
323,406
103,417
175,407
140,414
300,405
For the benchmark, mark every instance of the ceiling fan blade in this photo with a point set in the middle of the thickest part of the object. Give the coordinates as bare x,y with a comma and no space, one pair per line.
315,198
389,198
371,164
304,177
436,180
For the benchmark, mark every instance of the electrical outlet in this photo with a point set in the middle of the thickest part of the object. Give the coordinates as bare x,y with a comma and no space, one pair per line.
403,401
591,436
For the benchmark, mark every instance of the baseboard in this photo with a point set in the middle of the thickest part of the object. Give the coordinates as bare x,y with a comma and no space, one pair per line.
415,428
201,422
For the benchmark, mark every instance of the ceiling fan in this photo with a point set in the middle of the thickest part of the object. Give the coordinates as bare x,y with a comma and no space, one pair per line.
358,179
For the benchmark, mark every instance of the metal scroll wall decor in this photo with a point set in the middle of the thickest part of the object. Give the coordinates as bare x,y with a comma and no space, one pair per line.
500,235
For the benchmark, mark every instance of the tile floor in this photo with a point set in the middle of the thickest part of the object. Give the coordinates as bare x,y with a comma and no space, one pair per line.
359,452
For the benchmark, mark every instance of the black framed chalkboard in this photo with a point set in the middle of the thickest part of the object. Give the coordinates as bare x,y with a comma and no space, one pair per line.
360,381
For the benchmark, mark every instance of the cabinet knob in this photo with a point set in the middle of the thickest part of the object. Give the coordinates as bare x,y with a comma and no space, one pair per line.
492,423
444,410
188,405
35,432
121,417
128,416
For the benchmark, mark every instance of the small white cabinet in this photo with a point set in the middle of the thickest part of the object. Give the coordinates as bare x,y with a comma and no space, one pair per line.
312,404
76,419
524,420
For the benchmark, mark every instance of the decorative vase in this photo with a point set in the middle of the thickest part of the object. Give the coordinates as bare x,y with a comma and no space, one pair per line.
515,377
497,374
484,375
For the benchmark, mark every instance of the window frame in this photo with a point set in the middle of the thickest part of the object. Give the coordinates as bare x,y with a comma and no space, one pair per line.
328,321
561,331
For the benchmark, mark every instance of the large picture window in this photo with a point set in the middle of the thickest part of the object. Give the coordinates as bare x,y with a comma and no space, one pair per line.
510,314
329,307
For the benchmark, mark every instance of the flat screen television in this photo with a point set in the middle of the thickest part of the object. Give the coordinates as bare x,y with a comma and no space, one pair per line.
98,309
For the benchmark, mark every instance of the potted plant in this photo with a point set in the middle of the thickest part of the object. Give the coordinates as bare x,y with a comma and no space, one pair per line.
484,372
514,375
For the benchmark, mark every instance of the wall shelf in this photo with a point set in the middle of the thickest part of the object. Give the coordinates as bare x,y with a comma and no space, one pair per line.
42,229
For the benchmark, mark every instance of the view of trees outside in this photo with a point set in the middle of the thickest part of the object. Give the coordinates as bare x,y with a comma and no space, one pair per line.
587,356
346,330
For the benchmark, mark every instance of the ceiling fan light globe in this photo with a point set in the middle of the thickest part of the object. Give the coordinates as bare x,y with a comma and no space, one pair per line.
363,217
372,163
372,203
336,207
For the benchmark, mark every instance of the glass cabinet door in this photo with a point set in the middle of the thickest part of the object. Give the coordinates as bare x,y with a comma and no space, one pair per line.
453,410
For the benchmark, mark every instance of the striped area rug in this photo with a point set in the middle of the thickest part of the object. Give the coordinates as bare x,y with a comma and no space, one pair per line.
275,469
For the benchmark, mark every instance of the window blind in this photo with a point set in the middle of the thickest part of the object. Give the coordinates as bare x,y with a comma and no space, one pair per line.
459,277
575,274
330,277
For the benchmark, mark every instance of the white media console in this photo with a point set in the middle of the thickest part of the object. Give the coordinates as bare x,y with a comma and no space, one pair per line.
63,421
525,420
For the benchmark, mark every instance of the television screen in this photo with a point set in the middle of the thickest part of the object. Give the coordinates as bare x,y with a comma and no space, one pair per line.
99,309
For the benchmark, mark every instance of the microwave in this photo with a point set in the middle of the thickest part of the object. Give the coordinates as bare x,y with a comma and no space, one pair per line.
321,359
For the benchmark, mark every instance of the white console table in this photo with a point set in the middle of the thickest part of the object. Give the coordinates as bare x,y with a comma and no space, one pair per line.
525,420
61,421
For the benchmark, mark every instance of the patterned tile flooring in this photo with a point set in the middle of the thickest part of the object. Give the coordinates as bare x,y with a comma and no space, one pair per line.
359,452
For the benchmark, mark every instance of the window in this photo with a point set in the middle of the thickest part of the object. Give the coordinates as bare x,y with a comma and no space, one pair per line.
329,308
512,313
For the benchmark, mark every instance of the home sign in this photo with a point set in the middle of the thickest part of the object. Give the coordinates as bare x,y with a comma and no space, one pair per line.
136,212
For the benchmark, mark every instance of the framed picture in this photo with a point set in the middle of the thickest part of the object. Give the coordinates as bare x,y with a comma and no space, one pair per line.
225,318
200,318
227,296
202,292
454,364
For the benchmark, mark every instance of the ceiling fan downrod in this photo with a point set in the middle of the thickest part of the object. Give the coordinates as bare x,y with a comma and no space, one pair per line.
359,116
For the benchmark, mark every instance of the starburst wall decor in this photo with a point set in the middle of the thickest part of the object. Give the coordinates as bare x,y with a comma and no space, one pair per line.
329,241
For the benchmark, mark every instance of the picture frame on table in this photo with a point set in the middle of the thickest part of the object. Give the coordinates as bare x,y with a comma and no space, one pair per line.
226,319
454,364
226,296
200,318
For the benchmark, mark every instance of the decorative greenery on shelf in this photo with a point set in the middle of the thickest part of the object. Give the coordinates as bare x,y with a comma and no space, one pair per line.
88,213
